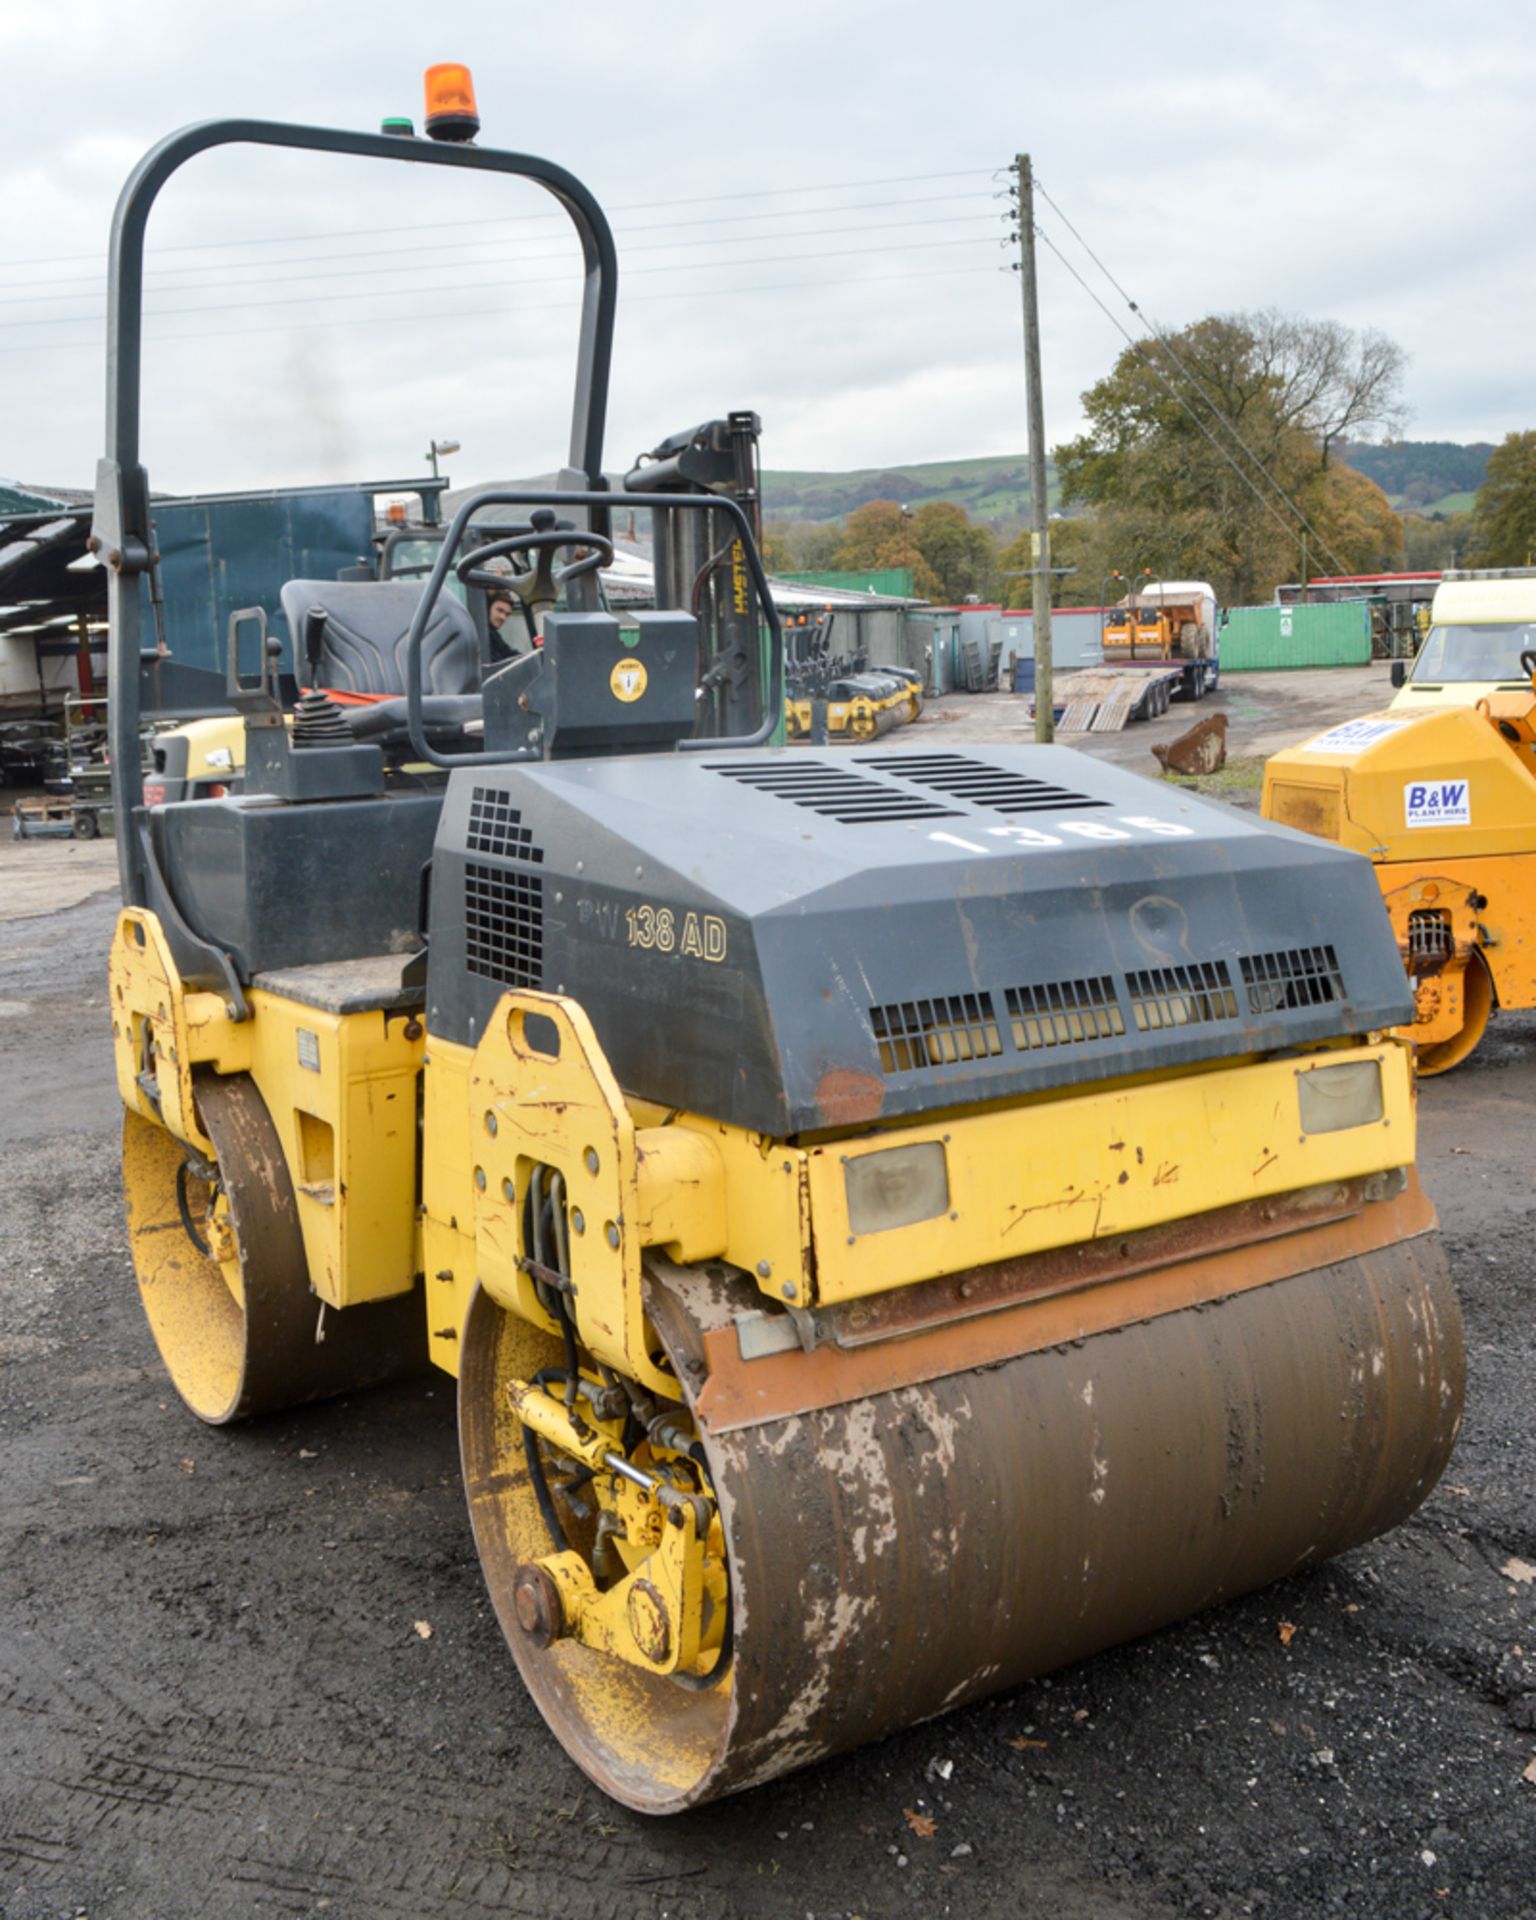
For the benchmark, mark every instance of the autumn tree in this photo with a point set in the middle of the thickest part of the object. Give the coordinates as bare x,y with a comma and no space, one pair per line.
1096,558
868,531
880,534
1210,455
1328,380
1503,531
963,556
813,543
1432,542
1363,534
1013,565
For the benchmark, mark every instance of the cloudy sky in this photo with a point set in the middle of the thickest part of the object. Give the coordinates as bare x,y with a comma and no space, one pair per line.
806,199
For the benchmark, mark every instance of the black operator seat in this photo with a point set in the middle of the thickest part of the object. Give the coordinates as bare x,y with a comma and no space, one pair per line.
349,637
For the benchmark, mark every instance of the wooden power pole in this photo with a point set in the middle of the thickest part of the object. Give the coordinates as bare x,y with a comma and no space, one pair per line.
1039,505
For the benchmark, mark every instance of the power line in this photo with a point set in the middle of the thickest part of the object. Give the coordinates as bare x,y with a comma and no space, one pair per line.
96,280
561,253
1167,346
506,312
632,206
300,300
1136,348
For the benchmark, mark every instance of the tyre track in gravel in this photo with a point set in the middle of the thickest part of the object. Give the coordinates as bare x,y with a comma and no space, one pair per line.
213,1701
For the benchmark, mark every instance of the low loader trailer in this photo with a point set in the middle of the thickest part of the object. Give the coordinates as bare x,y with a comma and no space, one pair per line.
1106,699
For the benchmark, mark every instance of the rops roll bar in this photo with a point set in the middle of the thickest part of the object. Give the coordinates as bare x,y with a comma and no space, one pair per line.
122,531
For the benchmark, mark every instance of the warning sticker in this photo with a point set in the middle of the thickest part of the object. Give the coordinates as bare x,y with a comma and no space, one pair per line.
628,679
1437,803
1353,735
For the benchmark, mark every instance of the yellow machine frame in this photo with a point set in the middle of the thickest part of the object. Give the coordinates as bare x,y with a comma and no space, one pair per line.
538,1093
1461,895
534,1107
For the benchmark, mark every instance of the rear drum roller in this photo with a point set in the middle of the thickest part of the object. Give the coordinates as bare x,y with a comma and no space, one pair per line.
222,1274
1476,1010
906,1551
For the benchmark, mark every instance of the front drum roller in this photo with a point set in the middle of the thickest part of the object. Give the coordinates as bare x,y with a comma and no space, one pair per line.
1477,1009
908,1551
220,1261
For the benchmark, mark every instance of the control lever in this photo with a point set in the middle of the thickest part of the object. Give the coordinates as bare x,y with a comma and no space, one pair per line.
258,700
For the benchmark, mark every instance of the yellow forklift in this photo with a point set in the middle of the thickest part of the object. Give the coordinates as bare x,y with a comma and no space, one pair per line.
899,1221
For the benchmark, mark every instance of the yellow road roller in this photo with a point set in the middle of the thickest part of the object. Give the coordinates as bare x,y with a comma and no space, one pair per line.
1443,801
856,707
899,1220
841,698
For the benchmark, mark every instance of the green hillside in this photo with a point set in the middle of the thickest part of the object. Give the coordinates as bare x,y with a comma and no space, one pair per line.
994,488
1447,503
1417,476
1422,476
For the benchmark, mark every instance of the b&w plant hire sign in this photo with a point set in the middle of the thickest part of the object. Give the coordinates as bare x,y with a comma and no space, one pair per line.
1437,803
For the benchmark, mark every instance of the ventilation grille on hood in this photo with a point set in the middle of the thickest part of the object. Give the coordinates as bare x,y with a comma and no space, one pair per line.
1064,1014
982,785
496,827
831,791
504,925
916,1034
1302,977
935,1033
1186,996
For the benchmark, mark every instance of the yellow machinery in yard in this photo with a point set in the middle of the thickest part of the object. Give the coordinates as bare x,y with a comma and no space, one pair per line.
1443,801
900,1221
1171,623
857,708
199,760
841,698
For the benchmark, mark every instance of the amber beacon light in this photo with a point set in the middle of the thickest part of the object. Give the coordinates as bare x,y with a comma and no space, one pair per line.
450,108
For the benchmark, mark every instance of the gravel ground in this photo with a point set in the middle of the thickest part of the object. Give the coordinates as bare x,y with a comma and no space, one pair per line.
214,1700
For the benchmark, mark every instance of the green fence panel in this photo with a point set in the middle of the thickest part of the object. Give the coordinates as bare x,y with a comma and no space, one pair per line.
1305,635
896,582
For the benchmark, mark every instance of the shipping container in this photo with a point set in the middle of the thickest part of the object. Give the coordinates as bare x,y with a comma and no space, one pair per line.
933,648
1076,641
1077,638
1303,635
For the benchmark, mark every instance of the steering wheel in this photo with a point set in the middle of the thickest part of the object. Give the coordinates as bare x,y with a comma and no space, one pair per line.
539,584
1528,660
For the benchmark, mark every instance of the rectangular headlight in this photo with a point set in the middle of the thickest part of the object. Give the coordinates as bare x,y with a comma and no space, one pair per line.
896,1187
1333,1098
